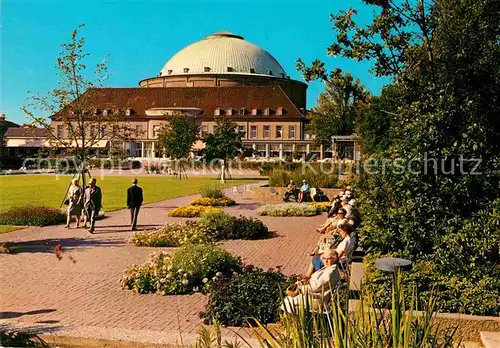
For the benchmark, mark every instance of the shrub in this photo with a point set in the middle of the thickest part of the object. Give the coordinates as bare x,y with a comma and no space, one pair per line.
188,269
225,226
452,294
191,211
287,209
321,206
171,235
219,223
32,216
254,294
205,201
248,228
211,191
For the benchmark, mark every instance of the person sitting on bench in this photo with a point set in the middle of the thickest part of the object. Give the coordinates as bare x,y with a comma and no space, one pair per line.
305,190
291,190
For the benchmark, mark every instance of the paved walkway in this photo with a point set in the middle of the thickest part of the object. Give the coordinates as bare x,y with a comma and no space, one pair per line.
84,298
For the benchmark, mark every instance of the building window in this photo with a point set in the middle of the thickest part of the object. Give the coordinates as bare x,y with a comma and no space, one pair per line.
105,112
291,132
60,131
266,131
206,69
156,129
218,112
280,111
243,111
138,131
128,112
279,131
229,69
270,72
253,131
241,129
186,70
255,112
204,130
169,72
252,71
267,111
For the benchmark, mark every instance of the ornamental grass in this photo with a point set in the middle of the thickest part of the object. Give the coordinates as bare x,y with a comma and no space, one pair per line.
32,216
287,209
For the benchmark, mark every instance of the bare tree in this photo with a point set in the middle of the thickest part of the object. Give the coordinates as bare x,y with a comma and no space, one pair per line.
76,123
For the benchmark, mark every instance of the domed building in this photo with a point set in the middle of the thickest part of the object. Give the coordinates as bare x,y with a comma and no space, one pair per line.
222,74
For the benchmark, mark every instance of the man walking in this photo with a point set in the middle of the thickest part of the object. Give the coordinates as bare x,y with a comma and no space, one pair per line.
134,202
92,203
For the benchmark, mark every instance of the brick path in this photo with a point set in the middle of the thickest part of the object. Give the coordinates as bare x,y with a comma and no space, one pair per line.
85,299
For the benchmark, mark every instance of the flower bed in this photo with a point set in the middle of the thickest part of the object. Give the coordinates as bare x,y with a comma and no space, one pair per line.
213,226
191,211
287,209
171,235
188,269
206,201
32,216
321,206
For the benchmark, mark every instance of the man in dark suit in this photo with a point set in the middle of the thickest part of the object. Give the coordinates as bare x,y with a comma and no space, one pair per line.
134,202
92,203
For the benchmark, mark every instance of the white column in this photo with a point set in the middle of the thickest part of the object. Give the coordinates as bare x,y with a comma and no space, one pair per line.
153,149
321,151
308,150
267,151
281,151
254,147
142,149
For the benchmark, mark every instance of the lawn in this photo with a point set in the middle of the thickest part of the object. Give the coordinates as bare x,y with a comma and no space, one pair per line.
8,228
49,190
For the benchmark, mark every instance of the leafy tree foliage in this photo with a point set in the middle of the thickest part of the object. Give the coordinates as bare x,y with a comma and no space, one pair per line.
430,201
177,138
224,144
336,109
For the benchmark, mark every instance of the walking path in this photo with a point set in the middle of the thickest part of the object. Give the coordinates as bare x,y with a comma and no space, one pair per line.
84,298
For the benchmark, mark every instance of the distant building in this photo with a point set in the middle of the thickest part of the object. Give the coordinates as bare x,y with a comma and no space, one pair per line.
221,74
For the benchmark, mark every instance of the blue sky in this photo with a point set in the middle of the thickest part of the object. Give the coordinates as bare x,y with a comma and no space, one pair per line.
141,36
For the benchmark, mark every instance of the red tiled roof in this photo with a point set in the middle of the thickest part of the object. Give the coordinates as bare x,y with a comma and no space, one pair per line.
25,132
206,98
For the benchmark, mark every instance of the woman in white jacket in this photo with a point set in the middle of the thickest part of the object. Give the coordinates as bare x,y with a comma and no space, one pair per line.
313,289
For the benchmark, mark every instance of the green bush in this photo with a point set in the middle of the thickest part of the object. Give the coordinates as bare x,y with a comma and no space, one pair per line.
211,191
190,211
215,202
287,209
255,294
189,269
225,226
32,216
452,294
171,235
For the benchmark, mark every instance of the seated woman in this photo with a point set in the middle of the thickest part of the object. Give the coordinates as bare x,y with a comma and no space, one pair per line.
343,249
314,287
291,190
331,223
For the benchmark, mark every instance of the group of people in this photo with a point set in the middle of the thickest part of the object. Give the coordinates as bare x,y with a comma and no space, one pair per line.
88,202
331,256
303,193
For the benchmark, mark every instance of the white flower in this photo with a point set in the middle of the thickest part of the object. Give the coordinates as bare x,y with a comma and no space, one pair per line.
218,274
205,280
196,289
185,275
185,281
180,270
169,276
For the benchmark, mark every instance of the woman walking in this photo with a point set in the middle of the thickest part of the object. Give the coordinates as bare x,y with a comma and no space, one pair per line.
75,198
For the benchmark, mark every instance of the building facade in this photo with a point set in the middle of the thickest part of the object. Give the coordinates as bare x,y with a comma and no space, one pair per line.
220,75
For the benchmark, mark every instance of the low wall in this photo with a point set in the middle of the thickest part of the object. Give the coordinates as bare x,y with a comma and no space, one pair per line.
264,194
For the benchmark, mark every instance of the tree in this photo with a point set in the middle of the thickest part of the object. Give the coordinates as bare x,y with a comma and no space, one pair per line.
76,123
337,107
444,60
224,144
177,138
